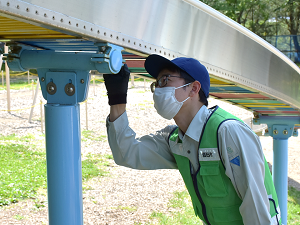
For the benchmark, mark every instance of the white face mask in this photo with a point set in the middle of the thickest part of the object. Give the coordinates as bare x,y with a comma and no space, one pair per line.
166,103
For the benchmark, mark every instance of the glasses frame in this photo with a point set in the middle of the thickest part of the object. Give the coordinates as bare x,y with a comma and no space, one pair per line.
158,83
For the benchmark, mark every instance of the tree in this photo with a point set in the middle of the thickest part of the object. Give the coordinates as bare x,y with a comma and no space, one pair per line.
290,15
253,14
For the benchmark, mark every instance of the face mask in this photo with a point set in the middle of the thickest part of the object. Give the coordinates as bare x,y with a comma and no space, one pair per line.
166,103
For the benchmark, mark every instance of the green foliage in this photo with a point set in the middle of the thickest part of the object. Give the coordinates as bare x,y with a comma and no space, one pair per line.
293,206
107,156
23,170
263,17
18,217
94,166
184,213
9,137
39,204
288,12
91,135
18,85
128,208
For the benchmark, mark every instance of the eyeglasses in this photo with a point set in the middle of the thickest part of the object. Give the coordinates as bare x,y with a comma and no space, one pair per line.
161,82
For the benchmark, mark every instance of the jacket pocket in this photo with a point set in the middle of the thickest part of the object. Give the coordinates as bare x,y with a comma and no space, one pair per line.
227,214
212,179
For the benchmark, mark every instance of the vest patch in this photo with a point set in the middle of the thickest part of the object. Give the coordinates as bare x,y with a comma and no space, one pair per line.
236,160
208,154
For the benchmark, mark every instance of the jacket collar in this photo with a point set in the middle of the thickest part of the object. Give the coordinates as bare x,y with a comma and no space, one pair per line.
195,128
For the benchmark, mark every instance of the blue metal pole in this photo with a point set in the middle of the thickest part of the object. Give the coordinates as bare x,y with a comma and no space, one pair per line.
64,81
280,174
64,178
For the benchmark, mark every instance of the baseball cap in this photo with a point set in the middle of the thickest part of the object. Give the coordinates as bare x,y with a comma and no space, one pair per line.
155,63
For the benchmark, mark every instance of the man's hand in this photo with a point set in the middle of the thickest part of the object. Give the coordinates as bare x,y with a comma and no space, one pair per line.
117,86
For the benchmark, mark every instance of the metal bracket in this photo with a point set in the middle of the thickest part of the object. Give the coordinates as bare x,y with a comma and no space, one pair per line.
64,76
108,59
279,127
64,87
280,131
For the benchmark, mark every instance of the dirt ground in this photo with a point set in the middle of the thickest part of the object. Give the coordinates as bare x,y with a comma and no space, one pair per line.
106,198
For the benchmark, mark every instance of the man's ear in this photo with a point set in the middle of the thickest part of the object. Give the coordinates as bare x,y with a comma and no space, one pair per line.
195,89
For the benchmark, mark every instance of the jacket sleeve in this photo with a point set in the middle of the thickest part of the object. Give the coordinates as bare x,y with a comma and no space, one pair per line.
243,158
148,152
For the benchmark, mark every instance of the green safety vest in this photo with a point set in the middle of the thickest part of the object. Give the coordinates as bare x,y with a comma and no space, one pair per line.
214,198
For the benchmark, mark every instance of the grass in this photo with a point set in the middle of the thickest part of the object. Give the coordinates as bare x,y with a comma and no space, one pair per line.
18,217
183,213
128,208
293,206
181,210
22,172
94,166
23,169
18,85
88,134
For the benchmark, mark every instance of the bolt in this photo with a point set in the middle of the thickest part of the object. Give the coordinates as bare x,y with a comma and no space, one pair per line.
275,132
82,81
51,88
70,89
103,48
43,79
285,132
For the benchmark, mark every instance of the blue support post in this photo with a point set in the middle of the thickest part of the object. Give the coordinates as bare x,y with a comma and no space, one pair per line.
63,91
64,78
64,180
280,174
281,128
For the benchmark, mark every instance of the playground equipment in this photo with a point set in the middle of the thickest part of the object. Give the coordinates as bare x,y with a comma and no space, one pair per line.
63,40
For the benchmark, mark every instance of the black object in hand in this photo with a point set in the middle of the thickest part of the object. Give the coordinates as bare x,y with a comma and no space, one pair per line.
117,86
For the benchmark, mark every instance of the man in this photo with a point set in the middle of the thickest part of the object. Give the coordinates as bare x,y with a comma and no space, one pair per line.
219,157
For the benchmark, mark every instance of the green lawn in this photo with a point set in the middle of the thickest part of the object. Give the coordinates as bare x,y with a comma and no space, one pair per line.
181,211
23,168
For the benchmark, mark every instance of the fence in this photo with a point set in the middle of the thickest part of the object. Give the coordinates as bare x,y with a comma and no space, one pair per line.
287,44
33,84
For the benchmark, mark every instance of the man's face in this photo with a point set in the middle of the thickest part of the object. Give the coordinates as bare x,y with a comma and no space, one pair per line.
174,80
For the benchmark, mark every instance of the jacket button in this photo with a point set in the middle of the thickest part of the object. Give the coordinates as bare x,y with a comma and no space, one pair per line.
188,151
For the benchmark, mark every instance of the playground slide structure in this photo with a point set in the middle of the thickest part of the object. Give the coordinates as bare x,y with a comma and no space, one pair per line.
64,40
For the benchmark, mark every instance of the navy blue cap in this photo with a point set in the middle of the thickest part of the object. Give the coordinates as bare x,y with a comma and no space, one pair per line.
155,63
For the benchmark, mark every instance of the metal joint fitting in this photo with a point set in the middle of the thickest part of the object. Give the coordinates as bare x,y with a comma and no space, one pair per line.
13,57
109,60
